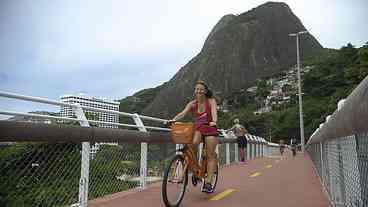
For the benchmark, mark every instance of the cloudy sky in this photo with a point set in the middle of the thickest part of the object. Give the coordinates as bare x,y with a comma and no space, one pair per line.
113,48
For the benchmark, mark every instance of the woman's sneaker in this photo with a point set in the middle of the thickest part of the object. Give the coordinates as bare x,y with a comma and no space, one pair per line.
207,188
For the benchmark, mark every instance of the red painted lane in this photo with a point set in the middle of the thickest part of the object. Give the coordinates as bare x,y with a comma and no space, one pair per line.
289,182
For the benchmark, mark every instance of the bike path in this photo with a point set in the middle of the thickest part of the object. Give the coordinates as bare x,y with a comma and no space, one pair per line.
277,181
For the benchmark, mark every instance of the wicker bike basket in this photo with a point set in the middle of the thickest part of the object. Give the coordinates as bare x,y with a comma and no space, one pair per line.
182,133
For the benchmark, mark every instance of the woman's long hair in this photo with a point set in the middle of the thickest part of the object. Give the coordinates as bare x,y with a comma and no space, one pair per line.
208,93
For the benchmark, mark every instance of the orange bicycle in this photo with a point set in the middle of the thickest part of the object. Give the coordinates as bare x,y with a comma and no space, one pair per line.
175,178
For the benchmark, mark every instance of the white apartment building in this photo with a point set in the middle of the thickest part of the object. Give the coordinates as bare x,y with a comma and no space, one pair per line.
99,103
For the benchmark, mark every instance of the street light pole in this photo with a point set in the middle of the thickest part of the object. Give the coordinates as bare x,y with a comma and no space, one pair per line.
302,141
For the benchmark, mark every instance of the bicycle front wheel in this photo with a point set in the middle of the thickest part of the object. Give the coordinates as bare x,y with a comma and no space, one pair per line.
174,182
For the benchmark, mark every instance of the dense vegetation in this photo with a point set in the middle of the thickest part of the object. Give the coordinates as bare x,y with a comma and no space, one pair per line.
334,75
42,174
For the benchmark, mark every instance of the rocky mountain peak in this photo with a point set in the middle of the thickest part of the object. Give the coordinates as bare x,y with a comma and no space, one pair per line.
239,50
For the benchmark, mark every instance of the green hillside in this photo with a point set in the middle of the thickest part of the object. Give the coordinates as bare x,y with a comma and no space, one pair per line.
334,75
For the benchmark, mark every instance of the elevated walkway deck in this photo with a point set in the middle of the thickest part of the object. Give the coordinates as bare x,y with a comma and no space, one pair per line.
266,182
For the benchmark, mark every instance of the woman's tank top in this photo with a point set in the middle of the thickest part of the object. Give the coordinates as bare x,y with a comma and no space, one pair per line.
203,118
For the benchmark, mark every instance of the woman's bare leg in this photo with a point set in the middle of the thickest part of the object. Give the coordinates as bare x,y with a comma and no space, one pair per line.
197,138
211,143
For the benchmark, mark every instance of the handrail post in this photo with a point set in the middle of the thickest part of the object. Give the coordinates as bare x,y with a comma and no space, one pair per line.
227,154
259,149
84,177
262,147
236,152
248,147
250,150
322,164
143,168
255,150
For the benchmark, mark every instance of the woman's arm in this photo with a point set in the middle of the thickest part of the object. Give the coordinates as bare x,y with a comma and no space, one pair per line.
213,112
184,112
231,129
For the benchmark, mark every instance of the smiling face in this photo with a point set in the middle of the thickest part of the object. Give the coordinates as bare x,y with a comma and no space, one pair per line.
199,91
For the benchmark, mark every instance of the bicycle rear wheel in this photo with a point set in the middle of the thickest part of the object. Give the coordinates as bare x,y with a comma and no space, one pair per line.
174,182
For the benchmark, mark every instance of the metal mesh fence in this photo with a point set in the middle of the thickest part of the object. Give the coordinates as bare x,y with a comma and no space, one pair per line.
342,165
47,174
362,156
39,174
158,158
113,168
222,154
232,152
117,168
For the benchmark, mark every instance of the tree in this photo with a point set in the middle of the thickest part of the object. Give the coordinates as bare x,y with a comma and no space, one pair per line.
287,88
263,89
363,54
92,116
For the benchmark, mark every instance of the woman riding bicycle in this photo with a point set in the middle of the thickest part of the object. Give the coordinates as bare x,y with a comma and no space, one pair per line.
204,110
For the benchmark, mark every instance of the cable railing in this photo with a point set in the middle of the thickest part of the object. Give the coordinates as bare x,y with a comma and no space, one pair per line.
64,165
339,150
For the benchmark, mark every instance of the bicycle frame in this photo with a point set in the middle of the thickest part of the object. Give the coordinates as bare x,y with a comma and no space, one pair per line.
199,168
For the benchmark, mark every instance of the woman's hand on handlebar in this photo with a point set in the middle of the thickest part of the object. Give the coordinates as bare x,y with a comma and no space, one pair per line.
170,122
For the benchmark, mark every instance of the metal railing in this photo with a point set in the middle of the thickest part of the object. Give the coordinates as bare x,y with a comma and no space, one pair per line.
55,165
339,150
